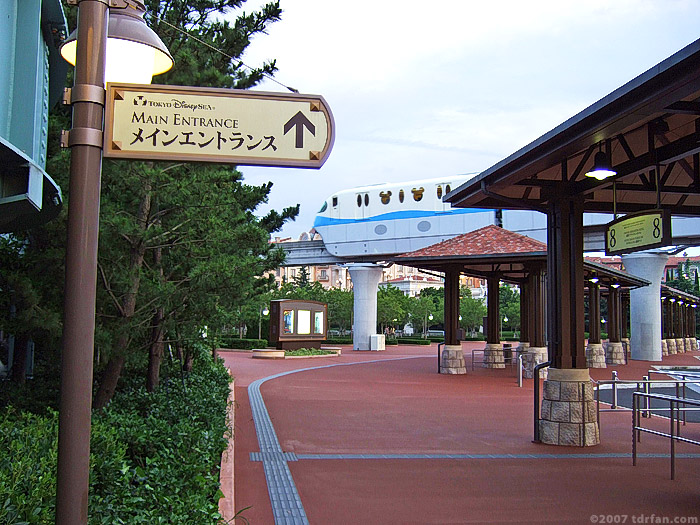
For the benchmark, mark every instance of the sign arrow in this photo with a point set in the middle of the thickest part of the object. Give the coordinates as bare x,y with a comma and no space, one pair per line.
298,121
244,127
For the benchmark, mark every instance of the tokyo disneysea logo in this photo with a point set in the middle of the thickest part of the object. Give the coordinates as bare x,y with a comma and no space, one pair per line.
141,100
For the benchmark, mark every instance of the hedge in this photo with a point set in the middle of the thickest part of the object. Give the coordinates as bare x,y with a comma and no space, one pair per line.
154,457
242,344
338,341
413,341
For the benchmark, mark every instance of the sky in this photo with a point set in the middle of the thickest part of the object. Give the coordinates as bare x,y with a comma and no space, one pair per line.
448,87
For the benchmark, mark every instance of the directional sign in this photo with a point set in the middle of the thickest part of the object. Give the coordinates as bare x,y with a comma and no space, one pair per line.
638,231
229,126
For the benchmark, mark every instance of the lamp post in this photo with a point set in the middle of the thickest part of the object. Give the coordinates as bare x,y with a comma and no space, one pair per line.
88,49
425,325
263,311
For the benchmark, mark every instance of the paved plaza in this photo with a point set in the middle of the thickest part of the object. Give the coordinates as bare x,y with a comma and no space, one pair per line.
380,437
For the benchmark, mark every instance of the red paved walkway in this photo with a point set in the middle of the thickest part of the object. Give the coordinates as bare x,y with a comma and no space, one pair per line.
405,407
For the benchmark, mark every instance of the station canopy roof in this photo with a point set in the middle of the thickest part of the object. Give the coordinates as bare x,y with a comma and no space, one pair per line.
492,250
668,292
649,127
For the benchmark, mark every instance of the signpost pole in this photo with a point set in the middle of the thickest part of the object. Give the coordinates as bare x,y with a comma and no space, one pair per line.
81,268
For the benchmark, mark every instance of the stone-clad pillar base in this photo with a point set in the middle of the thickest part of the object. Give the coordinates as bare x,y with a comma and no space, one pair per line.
534,356
671,344
452,360
614,354
626,346
680,345
493,356
595,355
568,415
664,347
523,347
688,345
694,343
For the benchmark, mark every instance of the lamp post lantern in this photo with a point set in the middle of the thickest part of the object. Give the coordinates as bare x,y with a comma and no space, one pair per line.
85,140
263,311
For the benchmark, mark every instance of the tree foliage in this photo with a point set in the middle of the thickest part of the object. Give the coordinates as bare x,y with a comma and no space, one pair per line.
509,307
181,248
471,310
391,307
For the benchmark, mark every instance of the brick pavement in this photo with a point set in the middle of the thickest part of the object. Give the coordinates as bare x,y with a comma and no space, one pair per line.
385,439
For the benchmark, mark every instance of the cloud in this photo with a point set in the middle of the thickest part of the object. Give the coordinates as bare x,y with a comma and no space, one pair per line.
423,89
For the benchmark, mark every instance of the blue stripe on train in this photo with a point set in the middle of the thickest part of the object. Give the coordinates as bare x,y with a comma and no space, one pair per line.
394,215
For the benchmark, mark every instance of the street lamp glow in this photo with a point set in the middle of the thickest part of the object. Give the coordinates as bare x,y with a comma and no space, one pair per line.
134,52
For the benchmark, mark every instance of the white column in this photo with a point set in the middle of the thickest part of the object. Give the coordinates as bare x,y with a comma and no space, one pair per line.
645,304
365,282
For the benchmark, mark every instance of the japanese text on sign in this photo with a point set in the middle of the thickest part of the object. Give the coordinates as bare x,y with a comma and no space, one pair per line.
225,126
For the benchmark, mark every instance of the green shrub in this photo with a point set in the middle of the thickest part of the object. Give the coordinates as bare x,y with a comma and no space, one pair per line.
308,351
154,457
413,341
28,467
338,341
242,344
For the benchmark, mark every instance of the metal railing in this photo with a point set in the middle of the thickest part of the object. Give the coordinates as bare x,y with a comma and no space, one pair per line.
536,377
513,359
674,433
473,351
520,369
645,385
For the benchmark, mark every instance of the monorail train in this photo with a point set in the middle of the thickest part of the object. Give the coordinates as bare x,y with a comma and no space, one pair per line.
386,219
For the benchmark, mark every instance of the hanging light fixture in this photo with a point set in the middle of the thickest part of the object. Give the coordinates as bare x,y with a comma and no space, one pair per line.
601,167
135,53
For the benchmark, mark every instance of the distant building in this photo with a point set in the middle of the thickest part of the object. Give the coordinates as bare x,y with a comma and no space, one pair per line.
413,285
409,280
32,77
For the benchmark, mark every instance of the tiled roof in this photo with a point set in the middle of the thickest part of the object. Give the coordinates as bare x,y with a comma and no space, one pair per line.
484,241
675,261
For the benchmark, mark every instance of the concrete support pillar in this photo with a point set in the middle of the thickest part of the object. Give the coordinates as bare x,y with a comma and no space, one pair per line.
645,307
365,281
